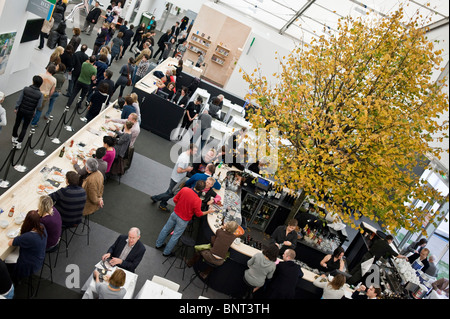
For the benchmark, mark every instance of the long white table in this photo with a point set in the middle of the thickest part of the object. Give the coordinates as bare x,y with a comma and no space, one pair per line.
153,290
24,194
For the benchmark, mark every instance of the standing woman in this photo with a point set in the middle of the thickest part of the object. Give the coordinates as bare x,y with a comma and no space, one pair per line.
110,33
67,58
116,12
55,58
138,36
101,38
93,185
125,73
76,39
32,242
334,261
51,219
116,47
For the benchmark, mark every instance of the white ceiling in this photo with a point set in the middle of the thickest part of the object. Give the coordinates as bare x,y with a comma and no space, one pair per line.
305,19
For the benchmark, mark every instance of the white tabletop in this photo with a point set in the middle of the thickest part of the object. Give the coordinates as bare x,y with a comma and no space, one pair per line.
24,194
153,290
130,283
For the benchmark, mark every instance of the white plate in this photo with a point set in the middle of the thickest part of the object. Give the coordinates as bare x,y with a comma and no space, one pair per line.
58,178
13,233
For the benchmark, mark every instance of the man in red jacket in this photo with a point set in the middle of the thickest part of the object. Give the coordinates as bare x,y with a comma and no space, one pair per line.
187,203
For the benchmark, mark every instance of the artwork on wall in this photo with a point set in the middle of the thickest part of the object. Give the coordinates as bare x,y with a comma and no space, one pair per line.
6,45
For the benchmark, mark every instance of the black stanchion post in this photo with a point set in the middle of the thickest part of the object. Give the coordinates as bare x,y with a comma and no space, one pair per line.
4,182
41,152
56,140
69,127
21,167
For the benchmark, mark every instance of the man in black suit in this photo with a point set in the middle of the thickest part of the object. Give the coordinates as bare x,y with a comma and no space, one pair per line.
92,18
127,251
284,280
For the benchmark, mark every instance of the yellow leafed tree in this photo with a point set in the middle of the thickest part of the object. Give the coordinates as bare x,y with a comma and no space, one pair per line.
358,108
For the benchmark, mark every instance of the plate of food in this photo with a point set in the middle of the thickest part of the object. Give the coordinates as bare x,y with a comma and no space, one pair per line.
45,189
58,177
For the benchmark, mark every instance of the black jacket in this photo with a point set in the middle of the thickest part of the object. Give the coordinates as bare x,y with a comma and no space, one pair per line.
184,100
30,99
284,281
163,39
127,35
134,257
79,58
94,14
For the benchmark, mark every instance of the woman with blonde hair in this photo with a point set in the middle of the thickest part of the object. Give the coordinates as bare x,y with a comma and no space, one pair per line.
112,288
218,252
135,98
333,289
106,51
51,219
55,58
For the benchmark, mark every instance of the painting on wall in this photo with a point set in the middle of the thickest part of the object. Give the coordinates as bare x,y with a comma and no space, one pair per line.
6,45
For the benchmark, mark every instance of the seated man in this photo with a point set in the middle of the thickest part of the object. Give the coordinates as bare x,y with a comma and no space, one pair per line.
127,251
70,200
102,165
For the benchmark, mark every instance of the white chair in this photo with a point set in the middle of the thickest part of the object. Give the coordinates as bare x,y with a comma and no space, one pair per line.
166,282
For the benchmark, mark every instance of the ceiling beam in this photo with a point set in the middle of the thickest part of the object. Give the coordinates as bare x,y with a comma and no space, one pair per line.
296,16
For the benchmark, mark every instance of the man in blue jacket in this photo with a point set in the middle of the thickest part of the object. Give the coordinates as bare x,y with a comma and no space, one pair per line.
209,171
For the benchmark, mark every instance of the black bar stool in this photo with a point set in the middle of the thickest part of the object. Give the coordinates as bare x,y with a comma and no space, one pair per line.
183,249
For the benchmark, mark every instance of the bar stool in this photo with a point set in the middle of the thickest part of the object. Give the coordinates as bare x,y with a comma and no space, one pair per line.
86,224
186,242
66,241
205,280
48,253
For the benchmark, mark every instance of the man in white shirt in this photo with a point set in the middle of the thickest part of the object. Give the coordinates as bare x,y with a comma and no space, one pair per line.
178,173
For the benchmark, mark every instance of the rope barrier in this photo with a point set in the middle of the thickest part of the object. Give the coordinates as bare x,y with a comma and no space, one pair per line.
4,182
22,168
43,132
61,120
56,140
69,124
41,152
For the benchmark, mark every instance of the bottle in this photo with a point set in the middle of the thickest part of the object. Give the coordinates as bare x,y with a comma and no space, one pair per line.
11,212
61,154
220,164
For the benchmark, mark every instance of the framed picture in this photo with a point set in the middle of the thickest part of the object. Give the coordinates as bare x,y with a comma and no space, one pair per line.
6,45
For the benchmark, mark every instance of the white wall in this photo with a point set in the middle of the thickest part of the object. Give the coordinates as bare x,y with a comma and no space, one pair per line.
262,53
24,62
